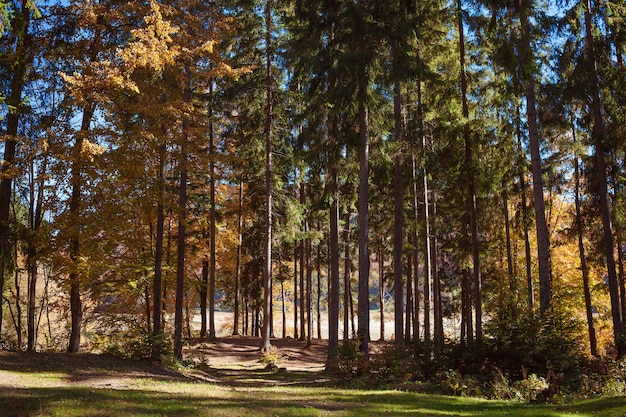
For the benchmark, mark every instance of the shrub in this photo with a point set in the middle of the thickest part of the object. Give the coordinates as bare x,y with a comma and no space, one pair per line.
271,357
550,346
529,389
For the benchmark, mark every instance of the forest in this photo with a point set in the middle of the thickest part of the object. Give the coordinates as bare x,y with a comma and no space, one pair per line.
316,169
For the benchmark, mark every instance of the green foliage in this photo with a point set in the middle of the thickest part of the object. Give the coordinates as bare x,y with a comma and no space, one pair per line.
530,388
550,346
135,344
350,360
463,385
271,357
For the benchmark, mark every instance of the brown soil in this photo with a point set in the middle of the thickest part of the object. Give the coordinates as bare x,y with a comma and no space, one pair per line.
233,360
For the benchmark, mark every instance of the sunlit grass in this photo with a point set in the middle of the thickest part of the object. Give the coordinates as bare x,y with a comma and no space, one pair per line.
259,394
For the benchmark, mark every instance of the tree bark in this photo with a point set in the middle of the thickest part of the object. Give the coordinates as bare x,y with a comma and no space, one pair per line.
381,289
333,281
36,217
23,58
598,135
363,332
398,225
525,57
238,265
267,263
471,189
593,344
525,220
347,275
182,225
76,305
212,220
157,285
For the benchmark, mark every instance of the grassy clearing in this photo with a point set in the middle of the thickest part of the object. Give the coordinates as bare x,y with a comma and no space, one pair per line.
148,397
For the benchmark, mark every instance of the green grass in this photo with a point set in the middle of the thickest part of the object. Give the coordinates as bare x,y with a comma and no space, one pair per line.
148,397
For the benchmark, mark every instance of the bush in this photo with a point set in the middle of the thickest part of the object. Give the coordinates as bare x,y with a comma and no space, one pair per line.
394,364
350,360
550,346
271,358
529,389
458,384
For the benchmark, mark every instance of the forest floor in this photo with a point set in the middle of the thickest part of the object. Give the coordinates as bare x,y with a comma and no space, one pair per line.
227,378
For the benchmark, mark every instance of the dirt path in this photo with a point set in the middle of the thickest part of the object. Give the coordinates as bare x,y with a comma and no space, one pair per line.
233,361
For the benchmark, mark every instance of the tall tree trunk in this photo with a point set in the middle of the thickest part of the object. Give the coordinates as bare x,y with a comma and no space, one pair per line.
381,289
17,320
593,344
509,249
238,265
36,217
319,288
438,310
23,58
409,300
303,264
471,191
347,275
363,332
182,226
428,274
295,292
203,292
415,239
398,211
333,279
598,135
212,220
309,284
76,305
525,57
525,220
284,309
267,262
157,287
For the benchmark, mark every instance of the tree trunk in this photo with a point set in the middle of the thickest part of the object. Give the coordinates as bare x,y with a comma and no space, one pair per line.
427,251
525,57
409,300
438,310
76,306
471,192
509,249
23,58
157,287
333,279
381,289
303,265
319,288
267,263
598,136
593,344
347,275
238,265
309,284
203,291
415,239
363,332
284,310
36,217
398,225
182,225
525,220
295,292
212,220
